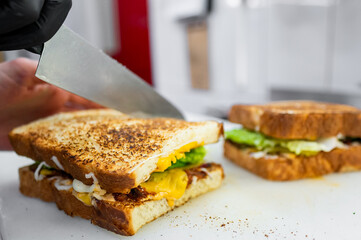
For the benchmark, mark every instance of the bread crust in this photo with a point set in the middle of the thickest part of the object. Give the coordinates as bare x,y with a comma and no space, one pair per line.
285,167
120,216
120,151
299,119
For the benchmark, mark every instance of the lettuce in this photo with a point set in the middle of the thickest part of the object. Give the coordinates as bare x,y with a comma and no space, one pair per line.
194,156
263,143
302,147
254,139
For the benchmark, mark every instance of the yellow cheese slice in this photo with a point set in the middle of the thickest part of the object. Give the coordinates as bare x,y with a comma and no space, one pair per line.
166,162
170,184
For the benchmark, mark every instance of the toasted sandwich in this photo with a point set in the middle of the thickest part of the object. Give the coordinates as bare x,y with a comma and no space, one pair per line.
119,172
295,139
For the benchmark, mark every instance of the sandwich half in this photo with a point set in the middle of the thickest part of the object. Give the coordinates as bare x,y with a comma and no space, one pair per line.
119,172
295,139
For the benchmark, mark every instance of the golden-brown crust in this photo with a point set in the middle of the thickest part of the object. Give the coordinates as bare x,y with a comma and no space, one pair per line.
27,182
286,167
104,215
221,131
299,119
104,142
115,216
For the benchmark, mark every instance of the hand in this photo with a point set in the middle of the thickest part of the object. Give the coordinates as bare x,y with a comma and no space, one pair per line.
27,24
25,98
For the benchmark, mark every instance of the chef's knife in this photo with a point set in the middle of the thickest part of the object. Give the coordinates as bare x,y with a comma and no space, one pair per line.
71,63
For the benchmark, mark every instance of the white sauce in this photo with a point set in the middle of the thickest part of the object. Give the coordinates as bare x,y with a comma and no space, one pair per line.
57,163
258,155
261,154
328,144
81,187
94,190
63,184
37,175
268,156
54,177
91,175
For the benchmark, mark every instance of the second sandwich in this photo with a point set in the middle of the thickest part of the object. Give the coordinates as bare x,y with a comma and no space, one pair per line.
295,139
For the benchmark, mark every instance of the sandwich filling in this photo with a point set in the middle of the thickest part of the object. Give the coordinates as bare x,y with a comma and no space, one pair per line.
179,156
259,142
169,181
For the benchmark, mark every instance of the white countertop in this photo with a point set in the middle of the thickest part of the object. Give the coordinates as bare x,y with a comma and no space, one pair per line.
245,207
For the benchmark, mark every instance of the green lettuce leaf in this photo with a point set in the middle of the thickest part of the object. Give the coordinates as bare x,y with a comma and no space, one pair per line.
302,147
254,139
194,156
271,145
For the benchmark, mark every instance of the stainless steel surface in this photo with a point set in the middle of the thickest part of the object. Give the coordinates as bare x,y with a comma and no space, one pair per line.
69,62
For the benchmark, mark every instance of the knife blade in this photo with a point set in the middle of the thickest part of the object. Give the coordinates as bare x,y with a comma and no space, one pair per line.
73,64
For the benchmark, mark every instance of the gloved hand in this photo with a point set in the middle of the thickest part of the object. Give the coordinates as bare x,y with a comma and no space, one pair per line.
27,24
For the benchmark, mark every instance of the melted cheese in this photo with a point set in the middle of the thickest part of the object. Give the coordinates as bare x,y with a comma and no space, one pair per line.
170,184
46,172
166,162
84,197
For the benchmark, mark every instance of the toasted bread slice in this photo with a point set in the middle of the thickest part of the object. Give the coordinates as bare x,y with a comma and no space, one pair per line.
284,167
126,213
299,119
120,151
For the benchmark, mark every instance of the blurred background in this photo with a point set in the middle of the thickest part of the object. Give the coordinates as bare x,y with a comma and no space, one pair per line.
205,55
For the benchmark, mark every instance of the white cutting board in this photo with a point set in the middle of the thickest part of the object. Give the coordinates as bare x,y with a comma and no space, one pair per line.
245,207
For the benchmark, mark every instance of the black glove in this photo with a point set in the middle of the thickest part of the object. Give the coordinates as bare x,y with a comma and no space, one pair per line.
27,24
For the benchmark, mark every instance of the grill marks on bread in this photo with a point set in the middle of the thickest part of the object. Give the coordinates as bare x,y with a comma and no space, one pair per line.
111,141
107,146
299,119
107,143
